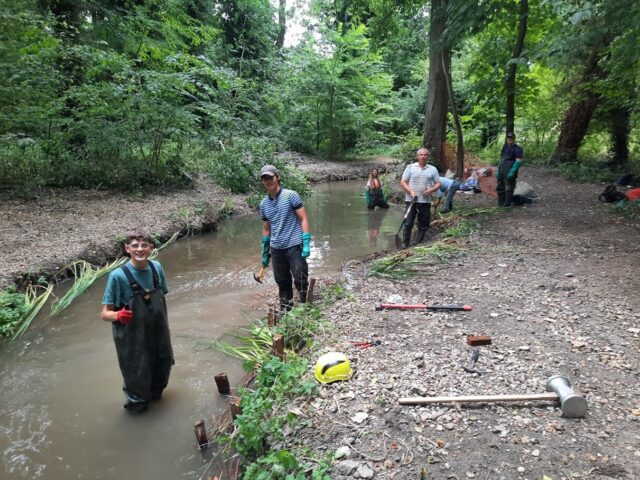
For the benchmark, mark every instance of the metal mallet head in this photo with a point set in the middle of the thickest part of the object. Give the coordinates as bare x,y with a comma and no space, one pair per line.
260,275
571,404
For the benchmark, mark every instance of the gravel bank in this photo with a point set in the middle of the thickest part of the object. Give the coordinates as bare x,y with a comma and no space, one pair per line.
555,286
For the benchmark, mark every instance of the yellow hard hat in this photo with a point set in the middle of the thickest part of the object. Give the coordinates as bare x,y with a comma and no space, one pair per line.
333,366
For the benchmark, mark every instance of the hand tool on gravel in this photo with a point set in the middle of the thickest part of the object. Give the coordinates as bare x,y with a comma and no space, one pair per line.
363,345
558,389
420,306
260,275
475,355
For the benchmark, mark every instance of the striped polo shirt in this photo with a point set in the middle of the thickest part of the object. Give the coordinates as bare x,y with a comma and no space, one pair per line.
286,228
419,179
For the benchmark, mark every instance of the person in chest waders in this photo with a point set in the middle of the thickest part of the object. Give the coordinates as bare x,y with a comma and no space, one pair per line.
510,159
374,193
134,303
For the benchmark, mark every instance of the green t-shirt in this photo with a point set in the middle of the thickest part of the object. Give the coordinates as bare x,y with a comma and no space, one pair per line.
118,291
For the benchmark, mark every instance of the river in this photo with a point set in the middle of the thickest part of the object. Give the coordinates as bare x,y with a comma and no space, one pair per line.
61,414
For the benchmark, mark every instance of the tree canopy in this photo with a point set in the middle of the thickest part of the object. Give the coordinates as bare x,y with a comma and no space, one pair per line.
129,94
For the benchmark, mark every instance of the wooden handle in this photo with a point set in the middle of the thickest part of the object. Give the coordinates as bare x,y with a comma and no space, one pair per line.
550,396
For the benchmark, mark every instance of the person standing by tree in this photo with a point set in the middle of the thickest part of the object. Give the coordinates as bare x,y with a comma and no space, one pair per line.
510,159
134,303
285,237
374,193
419,181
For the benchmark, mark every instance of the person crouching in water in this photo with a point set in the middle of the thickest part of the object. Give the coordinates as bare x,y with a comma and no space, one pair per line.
285,237
374,194
134,303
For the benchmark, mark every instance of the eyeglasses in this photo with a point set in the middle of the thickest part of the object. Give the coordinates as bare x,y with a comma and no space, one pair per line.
136,246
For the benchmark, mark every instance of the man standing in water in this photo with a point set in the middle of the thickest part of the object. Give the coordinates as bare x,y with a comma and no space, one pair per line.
419,181
134,303
285,237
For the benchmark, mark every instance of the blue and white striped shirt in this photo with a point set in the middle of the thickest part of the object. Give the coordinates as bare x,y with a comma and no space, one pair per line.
419,179
280,212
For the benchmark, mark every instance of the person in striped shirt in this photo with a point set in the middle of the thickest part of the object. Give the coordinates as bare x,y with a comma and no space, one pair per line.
419,181
286,237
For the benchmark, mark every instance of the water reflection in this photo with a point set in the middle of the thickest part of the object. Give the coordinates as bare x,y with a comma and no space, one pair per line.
61,413
374,224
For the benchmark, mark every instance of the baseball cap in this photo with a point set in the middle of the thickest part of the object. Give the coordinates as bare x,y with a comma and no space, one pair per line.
511,135
269,170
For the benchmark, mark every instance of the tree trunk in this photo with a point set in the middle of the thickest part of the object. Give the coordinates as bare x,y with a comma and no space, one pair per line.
435,133
456,118
576,120
620,128
510,83
282,24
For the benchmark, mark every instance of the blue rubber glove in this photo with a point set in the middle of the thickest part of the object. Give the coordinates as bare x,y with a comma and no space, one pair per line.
514,170
306,245
266,250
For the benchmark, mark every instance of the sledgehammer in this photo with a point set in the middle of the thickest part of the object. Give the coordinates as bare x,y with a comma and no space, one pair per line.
400,306
558,389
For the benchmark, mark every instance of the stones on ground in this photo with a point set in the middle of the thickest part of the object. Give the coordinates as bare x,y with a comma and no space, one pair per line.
360,417
342,452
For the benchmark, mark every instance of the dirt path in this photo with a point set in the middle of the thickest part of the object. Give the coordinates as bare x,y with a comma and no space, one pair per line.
555,286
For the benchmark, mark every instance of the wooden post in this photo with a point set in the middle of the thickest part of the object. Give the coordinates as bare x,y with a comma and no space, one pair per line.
234,406
223,384
201,434
271,315
312,283
278,345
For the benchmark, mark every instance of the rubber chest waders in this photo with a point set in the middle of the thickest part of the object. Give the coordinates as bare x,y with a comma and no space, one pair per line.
144,345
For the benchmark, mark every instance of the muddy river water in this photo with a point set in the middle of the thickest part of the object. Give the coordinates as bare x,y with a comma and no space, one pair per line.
61,414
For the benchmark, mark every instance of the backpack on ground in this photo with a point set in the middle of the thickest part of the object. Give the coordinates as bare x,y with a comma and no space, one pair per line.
611,194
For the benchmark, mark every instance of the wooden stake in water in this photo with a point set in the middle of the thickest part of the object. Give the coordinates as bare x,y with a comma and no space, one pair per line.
223,384
234,405
312,284
278,345
271,315
201,434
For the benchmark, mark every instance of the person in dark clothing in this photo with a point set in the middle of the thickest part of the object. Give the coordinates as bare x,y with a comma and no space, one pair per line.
286,237
134,303
510,160
374,193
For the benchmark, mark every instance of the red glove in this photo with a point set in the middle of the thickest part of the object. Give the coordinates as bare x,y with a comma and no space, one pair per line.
124,316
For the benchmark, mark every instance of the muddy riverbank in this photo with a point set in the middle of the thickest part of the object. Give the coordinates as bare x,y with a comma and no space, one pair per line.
51,228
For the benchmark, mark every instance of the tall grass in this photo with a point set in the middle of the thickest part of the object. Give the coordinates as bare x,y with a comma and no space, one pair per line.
34,301
253,346
86,274
408,263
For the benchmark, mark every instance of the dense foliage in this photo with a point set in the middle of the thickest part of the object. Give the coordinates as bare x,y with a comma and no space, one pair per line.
130,94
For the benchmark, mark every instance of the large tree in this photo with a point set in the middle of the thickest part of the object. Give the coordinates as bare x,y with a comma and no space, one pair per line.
603,37
510,83
435,129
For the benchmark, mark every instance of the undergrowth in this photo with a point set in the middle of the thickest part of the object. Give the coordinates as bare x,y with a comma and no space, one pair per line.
18,309
626,209
261,429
